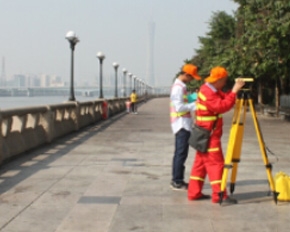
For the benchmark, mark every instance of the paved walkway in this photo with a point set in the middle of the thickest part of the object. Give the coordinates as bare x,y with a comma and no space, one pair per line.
115,177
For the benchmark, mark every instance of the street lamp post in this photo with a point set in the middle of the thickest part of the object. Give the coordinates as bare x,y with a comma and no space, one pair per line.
101,57
137,85
124,81
141,87
134,82
72,39
130,82
116,65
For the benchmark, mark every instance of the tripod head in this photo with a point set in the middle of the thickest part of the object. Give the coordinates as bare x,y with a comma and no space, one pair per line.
246,79
245,92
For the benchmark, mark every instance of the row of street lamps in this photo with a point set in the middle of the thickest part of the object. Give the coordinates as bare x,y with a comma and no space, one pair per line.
73,40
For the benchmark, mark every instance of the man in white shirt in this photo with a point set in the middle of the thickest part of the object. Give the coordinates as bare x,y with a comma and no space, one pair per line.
181,123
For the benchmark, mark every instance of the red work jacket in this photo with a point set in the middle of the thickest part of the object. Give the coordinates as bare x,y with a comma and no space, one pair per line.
210,106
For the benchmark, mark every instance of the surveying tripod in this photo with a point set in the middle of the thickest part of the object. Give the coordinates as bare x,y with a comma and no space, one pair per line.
235,142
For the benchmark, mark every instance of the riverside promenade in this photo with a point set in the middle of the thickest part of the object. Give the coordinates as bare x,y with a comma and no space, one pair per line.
114,177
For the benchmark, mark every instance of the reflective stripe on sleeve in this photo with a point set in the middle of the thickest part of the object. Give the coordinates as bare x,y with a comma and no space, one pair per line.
201,96
200,107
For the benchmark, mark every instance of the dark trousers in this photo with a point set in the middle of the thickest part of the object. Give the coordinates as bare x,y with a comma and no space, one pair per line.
180,155
133,107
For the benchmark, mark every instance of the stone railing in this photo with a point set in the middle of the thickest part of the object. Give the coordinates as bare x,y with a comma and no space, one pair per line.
23,129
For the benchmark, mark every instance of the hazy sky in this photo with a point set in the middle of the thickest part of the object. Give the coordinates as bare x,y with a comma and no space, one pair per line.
32,35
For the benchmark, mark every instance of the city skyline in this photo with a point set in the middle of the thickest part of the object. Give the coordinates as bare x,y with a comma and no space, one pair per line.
48,80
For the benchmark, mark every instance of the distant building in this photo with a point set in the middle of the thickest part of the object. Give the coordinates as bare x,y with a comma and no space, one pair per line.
3,74
18,80
32,81
35,81
56,81
44,80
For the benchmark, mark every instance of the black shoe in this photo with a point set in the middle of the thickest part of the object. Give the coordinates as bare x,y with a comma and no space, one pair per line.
178,186
203,197
230,200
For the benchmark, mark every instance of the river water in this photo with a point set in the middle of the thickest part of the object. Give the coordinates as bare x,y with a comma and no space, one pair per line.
17,102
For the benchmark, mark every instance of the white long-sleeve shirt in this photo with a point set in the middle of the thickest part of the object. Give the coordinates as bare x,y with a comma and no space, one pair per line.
176,96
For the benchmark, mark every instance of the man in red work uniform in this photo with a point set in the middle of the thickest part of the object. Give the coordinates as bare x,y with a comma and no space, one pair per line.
181,123
210,106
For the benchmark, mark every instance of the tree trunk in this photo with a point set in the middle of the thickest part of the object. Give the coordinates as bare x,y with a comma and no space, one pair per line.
277,99
260,96
282,86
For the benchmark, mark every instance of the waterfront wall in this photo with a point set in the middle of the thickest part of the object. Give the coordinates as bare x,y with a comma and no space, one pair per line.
23,129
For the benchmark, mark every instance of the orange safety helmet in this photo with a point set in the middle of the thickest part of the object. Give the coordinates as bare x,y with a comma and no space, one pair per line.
191,70
216,73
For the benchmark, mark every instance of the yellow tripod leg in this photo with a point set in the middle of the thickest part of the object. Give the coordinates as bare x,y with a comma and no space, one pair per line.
263,152
231,145
238,147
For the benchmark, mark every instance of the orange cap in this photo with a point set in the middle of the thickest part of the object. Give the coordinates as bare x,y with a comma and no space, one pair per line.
216,73
191,70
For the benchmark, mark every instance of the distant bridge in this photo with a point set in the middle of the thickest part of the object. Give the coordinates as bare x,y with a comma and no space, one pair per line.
86,91
51,91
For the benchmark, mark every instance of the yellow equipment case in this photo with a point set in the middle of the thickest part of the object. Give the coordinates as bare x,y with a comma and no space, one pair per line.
282,182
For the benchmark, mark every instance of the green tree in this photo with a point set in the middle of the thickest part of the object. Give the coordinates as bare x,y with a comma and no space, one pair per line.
263,43
254,42
217,43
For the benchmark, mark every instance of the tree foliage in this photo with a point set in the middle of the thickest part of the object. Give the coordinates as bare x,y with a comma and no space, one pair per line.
255,42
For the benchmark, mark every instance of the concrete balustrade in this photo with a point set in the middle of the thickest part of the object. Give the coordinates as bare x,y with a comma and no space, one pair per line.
23,129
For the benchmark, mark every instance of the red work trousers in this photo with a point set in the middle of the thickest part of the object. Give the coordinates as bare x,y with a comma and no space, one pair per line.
210,163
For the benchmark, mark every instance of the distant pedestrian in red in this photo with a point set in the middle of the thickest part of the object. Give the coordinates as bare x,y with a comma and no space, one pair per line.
128,105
